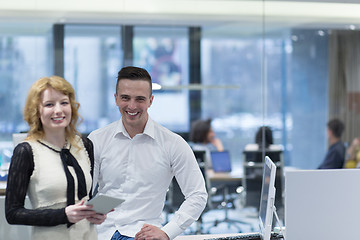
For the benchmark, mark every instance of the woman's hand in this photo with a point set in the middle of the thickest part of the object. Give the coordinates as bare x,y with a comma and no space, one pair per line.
79,211
218,144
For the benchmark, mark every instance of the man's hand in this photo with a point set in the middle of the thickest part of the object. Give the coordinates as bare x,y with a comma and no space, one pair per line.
97,218
150,232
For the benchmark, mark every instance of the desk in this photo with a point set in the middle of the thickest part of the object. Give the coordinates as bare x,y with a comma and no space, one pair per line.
205,236
231,180
235,176
2,187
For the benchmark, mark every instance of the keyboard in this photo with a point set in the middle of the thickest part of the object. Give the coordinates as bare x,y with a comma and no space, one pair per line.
250,236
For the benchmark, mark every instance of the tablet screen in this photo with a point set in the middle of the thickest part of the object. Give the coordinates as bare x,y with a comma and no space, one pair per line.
103,203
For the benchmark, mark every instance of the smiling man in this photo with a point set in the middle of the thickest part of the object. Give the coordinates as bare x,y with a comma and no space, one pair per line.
136,159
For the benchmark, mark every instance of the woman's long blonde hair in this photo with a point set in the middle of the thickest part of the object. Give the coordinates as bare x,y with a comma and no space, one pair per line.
32,107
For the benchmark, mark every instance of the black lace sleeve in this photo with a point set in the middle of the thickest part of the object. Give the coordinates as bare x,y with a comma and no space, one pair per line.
90,149
20,171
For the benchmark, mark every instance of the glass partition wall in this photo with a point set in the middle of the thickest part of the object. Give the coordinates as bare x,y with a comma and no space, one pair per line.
242,69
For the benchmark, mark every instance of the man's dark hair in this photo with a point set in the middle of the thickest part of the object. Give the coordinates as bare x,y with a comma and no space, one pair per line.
200,130
336,126
134,73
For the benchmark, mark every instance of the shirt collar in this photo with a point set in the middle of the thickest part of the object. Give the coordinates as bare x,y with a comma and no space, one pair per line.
149,128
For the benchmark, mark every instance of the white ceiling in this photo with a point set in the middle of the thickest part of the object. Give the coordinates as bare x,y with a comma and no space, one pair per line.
37,16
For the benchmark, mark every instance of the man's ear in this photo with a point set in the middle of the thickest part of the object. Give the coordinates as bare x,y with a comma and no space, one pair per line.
151,100
115,95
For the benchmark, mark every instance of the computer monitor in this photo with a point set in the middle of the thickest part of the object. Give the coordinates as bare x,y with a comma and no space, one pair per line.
221,161
267,199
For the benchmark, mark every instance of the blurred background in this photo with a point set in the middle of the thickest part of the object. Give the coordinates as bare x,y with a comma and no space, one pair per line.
290,65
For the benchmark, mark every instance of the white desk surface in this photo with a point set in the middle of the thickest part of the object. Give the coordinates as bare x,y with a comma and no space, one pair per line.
2,187
205,236
235,175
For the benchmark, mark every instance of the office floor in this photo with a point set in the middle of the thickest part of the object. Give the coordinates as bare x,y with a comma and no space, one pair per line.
247,215
247,221
213,222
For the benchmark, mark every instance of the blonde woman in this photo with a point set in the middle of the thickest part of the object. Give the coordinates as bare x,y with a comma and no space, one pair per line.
53,166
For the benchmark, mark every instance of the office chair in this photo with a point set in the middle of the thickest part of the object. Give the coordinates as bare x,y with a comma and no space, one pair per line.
219,197
253,170
174,198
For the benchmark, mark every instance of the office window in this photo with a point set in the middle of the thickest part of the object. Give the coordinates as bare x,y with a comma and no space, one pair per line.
235,95
234,65
292,91
307,96
23,60
93,57
163,52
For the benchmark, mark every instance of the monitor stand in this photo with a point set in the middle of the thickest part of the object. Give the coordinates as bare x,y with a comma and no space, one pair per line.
282,228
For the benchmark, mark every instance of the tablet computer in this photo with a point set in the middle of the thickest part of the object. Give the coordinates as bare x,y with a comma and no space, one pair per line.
103,203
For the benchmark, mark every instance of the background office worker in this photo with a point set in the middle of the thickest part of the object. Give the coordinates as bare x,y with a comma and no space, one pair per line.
136,159
203,138
264,137
335,156
353,154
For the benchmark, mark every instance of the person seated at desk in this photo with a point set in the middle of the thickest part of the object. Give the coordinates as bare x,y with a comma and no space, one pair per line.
353,154
263,140
203,138
264,137
335,156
